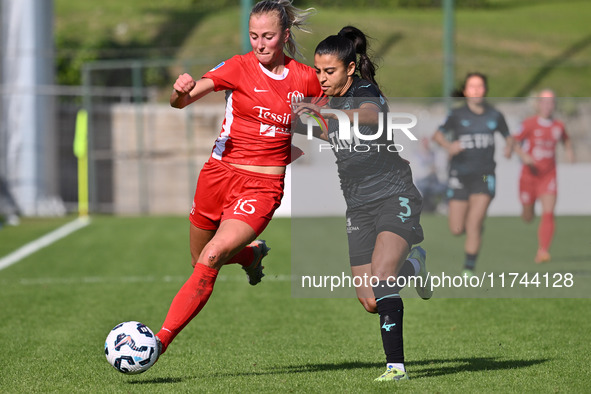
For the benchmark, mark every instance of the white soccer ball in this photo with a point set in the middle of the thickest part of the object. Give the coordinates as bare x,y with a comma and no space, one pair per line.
131,347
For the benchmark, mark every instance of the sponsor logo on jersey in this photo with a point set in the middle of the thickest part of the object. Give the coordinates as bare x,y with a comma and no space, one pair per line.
350,227
476,141
269,130
267,114
259,90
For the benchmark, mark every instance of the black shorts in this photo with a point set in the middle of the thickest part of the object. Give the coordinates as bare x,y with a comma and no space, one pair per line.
460,187
398,214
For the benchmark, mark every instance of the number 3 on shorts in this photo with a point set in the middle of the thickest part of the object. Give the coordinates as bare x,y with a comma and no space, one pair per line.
404,204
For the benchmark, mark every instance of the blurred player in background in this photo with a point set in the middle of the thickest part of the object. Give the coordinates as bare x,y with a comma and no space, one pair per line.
8,207
426,177
538,138
468,137
242,183
383,205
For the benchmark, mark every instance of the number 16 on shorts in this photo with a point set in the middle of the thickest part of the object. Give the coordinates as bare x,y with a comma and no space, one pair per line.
244,207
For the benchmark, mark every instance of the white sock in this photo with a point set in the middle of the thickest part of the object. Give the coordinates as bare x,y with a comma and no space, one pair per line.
398,366
415,265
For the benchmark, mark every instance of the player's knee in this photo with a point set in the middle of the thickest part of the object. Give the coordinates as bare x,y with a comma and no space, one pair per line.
547,215
527,217
369,304
213,256
457,230
475,228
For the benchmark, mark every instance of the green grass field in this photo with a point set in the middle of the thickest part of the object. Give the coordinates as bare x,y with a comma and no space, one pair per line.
59,304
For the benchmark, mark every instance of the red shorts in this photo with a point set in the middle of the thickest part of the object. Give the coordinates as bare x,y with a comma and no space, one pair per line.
531,187
226,192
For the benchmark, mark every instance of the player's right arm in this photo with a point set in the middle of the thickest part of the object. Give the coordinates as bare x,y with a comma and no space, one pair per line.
568,146
187,90
453,148
304,111
523,135
525,158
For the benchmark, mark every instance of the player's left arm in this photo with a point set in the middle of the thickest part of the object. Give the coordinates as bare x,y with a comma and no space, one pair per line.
368,114
509,145
368,104
509,140
569,150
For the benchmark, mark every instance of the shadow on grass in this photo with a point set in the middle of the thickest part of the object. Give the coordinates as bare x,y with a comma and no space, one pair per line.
582,258
432,368
304,368
417,369
321,367
157,381
280,370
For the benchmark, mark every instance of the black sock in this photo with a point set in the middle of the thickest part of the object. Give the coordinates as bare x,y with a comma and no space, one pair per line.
470,261
383,290
407,269
391,311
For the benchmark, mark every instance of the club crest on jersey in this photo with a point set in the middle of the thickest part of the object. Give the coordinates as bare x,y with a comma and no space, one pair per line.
295,97
218,66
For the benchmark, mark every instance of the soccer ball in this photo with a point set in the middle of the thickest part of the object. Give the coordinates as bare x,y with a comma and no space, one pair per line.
131,347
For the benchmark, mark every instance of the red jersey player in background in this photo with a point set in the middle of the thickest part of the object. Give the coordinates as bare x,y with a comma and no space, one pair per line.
538,136
241,185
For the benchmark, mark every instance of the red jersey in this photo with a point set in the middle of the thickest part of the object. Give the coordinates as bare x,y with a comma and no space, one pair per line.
539,137
257,125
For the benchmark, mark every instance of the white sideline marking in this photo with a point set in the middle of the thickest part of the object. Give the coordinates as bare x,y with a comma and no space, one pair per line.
44,241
